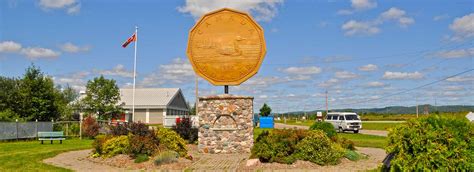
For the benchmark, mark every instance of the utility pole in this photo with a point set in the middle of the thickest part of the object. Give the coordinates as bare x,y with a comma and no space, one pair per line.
327,110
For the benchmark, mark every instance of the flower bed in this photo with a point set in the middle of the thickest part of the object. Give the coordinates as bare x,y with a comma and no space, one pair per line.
289,145
140,143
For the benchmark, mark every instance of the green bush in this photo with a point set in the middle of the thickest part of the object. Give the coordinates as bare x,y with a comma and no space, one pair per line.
278,145
141,158
166,157
432,143
319,149
326,127
344,142
116,145
172,141
98,143
148,145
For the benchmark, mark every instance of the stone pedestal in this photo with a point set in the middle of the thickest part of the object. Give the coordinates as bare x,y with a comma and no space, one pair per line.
225,124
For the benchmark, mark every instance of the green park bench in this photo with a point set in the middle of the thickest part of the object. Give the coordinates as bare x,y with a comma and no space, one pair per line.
54,135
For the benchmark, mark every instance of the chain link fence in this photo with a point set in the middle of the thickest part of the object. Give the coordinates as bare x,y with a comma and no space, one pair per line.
23,130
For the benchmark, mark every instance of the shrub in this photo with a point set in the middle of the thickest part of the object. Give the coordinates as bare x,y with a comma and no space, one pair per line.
319,149
148,145
116,145
326,127
141,158
90,127
432,143
119,129
138,128
344,142
278,145
98,143
186,130
166,157
172,141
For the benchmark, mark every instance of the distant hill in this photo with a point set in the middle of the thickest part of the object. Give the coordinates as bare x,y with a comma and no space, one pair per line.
399,109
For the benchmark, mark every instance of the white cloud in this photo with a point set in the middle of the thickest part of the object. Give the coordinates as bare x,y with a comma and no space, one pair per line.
440,17
461,79
74,9
74,80
462,27
9,47
71,48
345,75
368,67
454,88
375,84
38,52
354,27
263,10
358,5
263,96
179,71
329,83
302,70
396,15
363,4
403,75
72,6
118,70
460,53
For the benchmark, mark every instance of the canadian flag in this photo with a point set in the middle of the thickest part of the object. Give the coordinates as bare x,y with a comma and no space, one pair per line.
129,40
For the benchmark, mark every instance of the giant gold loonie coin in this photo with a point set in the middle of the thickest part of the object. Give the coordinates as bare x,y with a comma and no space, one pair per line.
226,47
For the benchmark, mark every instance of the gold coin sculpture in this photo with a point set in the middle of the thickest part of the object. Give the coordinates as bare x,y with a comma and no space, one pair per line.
226,47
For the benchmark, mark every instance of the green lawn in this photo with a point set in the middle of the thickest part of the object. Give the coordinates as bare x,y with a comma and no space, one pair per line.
28,155
363,140
365,125
378,126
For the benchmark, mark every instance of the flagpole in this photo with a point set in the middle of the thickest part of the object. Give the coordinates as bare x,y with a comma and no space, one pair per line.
134,73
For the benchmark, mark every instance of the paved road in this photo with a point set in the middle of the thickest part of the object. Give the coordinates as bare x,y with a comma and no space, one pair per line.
369,132
383,121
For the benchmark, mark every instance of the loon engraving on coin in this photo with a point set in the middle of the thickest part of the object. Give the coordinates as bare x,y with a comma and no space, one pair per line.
226,47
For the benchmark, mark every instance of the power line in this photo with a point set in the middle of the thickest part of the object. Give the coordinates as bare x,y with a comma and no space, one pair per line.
408,90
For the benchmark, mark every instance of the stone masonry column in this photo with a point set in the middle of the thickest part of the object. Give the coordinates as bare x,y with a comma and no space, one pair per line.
225,124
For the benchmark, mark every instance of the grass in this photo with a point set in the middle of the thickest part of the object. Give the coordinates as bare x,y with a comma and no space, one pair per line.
365,125
364,140
28,155
378,126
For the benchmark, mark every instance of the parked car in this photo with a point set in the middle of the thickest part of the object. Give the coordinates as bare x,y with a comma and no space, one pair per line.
344,121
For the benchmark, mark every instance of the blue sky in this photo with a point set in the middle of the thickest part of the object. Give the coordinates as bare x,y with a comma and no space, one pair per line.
360,51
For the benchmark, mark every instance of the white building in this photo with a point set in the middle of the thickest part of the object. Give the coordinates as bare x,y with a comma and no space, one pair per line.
153,105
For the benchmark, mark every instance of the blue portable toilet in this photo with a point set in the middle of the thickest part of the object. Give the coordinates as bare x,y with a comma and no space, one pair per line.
266,122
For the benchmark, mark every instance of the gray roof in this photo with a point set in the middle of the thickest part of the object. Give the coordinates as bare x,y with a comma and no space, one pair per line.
156,97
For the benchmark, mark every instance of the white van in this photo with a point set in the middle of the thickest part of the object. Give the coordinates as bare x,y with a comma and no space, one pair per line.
344,121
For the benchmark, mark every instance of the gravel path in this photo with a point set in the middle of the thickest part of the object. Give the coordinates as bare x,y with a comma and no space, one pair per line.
369,132
77,161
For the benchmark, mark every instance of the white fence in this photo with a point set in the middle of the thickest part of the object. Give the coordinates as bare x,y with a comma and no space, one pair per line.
170,120
23,130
